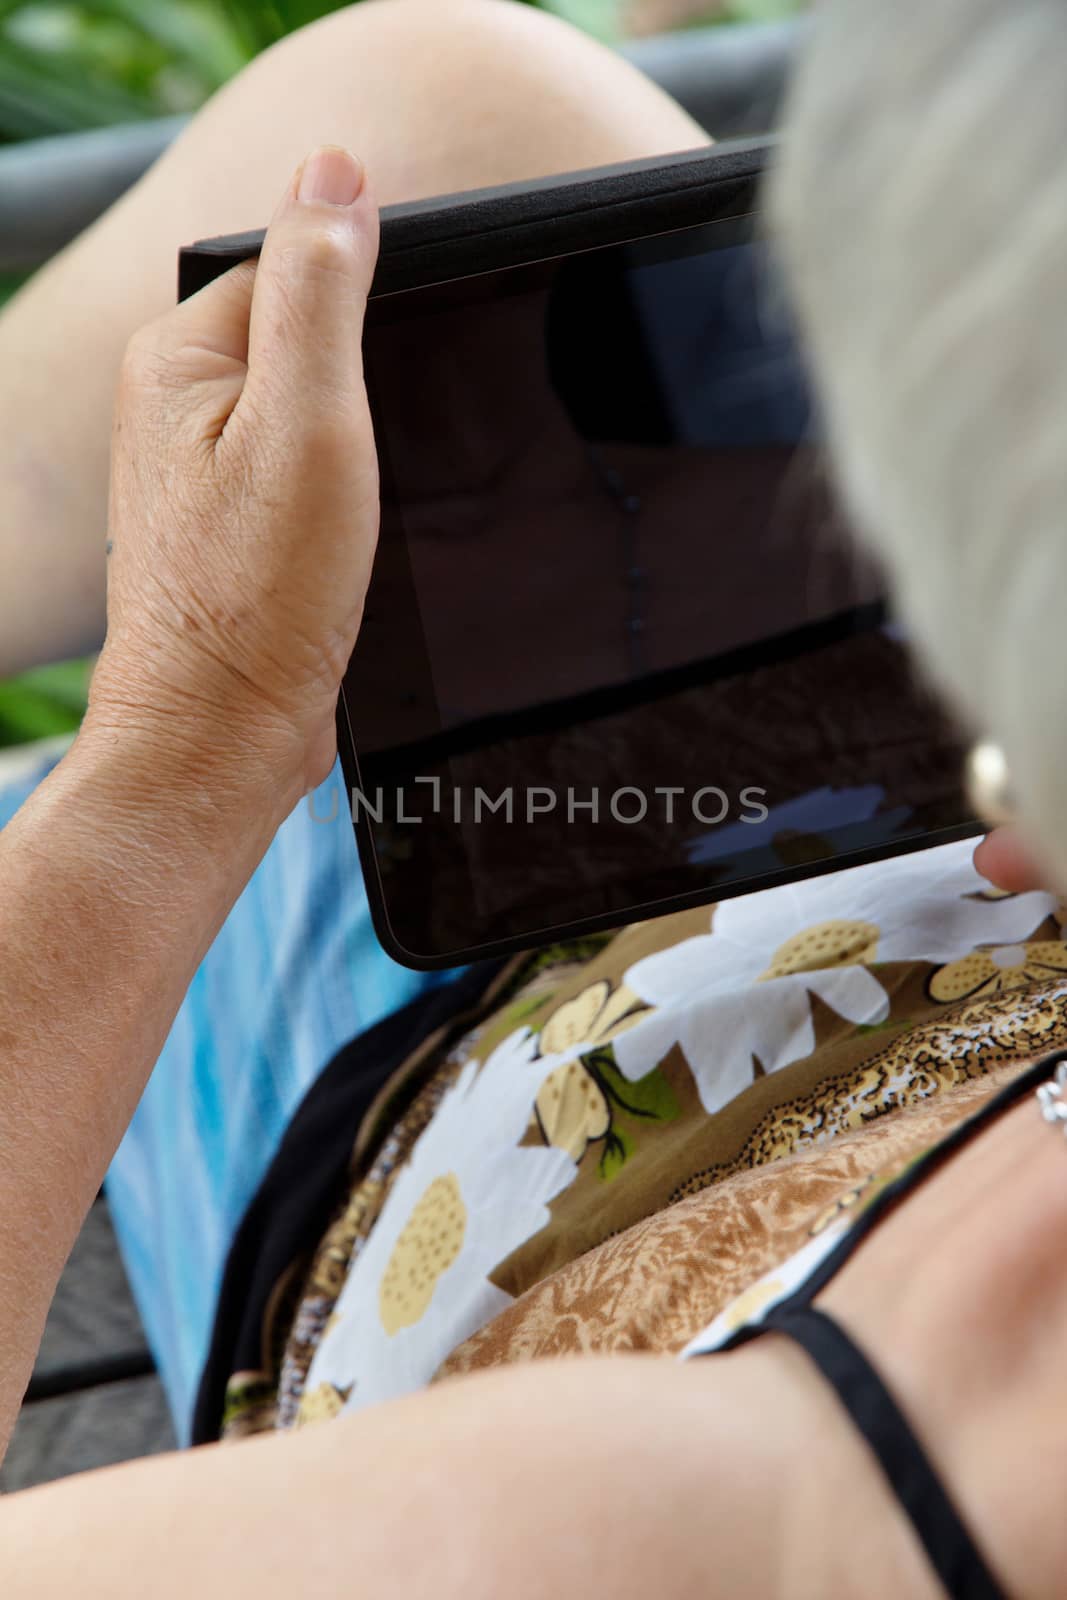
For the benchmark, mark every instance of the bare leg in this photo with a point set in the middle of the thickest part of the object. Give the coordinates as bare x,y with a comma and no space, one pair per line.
435,95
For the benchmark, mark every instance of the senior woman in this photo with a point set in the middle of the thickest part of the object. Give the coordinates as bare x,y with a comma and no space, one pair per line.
241,537
913,1260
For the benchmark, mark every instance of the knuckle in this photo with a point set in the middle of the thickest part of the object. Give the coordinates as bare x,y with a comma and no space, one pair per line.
148,365
327,253
323,277
157,363
140,358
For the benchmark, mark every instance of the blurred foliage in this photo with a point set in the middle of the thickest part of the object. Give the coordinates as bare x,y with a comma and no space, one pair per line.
9,282
65,67
44,702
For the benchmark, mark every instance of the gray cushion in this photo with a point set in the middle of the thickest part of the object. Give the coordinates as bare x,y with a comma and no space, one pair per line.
731,79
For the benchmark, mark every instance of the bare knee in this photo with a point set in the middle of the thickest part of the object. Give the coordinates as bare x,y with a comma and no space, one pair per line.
435,95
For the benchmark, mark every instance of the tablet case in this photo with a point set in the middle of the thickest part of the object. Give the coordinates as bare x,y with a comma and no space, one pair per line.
452,236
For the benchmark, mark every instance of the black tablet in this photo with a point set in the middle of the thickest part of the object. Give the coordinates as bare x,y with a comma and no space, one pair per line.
619,656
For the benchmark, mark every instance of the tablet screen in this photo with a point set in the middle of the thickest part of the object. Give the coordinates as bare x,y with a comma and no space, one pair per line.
618,647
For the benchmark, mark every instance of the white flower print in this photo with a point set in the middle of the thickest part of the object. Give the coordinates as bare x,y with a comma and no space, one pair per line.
469,1196
744,989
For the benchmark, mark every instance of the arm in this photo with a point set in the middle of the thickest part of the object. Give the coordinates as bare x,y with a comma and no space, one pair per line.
114,878
632,1478
242,530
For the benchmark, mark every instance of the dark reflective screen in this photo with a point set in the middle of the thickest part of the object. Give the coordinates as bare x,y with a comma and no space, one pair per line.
616,647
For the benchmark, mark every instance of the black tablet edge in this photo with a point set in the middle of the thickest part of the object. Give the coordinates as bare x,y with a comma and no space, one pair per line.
643,911
605,922
426,240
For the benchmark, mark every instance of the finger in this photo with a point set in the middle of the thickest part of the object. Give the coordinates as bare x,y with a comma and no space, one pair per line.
194,359
311,290
1003,858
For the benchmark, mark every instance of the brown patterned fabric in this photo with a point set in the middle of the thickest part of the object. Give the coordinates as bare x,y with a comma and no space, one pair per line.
851,1077
654,1287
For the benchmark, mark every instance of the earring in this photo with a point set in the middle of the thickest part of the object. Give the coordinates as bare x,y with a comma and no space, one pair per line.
989,787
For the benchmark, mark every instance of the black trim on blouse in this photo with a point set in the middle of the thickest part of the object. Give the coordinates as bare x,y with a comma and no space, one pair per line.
951,1548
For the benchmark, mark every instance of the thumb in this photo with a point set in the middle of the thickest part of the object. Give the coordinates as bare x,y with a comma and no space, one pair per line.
311,288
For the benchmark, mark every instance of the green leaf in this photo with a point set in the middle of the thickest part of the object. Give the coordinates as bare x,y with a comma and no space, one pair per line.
762,10
66,682
604,19
44,702
522,1010
9,283
298,13
717,16
254,26
66,66
649,1097
41,94
25,716
890,1025
188,32
618,1148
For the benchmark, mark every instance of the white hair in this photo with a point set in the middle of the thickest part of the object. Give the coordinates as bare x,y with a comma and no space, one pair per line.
920,205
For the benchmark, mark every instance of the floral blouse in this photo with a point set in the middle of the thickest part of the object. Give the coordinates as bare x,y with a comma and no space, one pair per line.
628,1082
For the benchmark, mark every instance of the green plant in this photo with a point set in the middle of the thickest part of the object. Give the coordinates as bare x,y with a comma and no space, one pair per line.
66,66
48,701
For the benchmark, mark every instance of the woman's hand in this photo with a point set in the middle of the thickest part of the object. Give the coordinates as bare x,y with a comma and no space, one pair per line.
244,499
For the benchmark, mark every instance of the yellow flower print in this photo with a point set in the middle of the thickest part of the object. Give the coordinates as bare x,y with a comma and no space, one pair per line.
572,1109
590,1019
824,945
321,1404
571,1106
998,970
429,1243
747,1306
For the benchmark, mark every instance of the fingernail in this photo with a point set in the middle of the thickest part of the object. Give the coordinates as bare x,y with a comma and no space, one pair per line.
332,176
